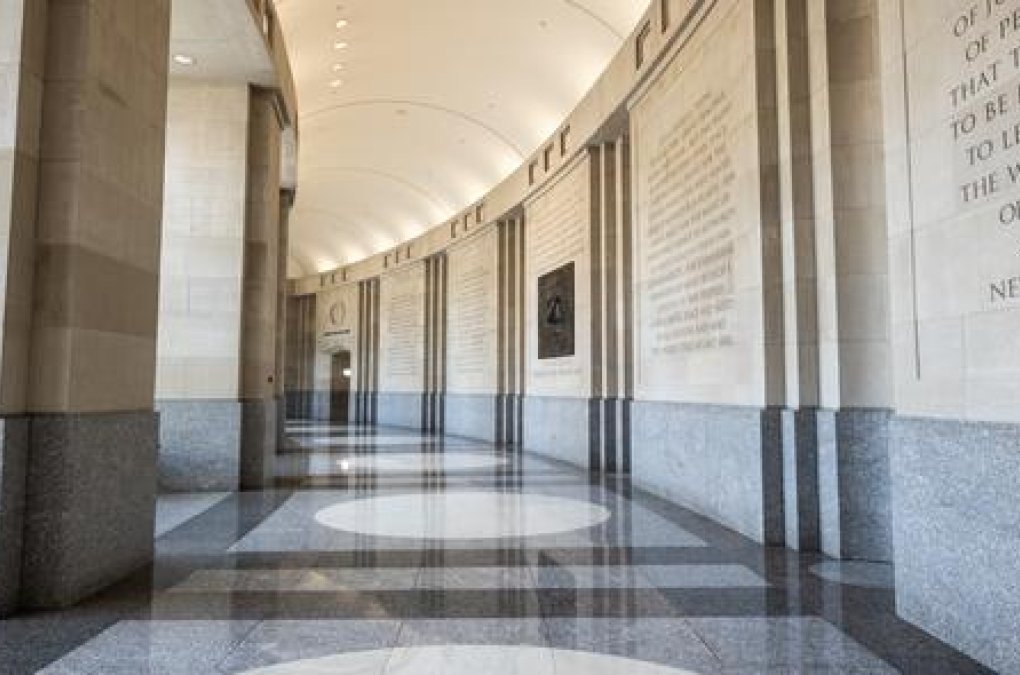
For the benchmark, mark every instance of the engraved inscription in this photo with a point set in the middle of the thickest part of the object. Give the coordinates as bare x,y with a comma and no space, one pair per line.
984,98
403,350
689,240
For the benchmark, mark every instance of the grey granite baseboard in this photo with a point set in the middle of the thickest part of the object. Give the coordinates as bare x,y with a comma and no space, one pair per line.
403,410
199,445
855,510
258,443
724,462
434,412
471,416
281,421
956,516
299,404
13,467
321,405
800,478
558,428
609,435
89,505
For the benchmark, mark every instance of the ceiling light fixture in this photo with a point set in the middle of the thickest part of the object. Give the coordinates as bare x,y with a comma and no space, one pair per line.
184,60
339,45
342,23
336,83
337,67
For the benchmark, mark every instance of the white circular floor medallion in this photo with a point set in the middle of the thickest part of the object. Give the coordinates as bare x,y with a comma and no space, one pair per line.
401,463
462,515
470,660
417,462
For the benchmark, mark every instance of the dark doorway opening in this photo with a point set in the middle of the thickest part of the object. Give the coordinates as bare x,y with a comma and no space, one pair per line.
340,387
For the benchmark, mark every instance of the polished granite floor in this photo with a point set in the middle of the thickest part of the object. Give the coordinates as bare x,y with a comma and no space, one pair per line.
385,552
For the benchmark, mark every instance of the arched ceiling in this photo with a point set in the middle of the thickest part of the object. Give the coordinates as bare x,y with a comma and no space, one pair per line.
440,100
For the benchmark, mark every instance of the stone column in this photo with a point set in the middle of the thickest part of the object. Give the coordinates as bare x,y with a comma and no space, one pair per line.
855,361
612,290
259,313
510,331
283,246
300,356
433,405
367,371
800,300
202,262
91,480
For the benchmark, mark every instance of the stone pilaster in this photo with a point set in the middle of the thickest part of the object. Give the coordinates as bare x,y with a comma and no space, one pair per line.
852,269
91,474
261,292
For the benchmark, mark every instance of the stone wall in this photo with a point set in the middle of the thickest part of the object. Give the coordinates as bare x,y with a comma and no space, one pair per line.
402,346
951,105
706,306
201,275
775,280
472,357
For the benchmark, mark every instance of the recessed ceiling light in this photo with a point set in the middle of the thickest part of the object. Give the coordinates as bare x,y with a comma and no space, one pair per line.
184,60
342,23
339,45
336,83
337,67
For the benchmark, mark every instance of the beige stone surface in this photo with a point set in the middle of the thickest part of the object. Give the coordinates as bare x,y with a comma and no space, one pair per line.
472,315
953,249
101,187
558,232
203,241
402,330
698,340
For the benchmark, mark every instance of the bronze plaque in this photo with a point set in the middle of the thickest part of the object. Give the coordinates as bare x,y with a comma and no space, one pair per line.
556,313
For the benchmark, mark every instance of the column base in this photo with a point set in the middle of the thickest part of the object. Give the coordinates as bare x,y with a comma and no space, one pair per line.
854,484
800,478
258,443
90,504
200,445
13,470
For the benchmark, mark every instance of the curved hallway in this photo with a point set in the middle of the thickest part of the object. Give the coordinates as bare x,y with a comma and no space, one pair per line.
499,562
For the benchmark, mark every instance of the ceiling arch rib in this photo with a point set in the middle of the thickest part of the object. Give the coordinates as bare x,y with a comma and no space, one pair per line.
379,233
595,16
410,185
368,201
482,84
429,106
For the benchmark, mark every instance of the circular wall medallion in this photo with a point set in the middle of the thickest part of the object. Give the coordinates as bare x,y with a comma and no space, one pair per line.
462,515
470,660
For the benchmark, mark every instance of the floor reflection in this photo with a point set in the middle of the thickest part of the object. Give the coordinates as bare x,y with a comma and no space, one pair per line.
385,551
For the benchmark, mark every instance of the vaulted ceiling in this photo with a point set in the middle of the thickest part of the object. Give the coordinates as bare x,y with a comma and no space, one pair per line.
413,109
